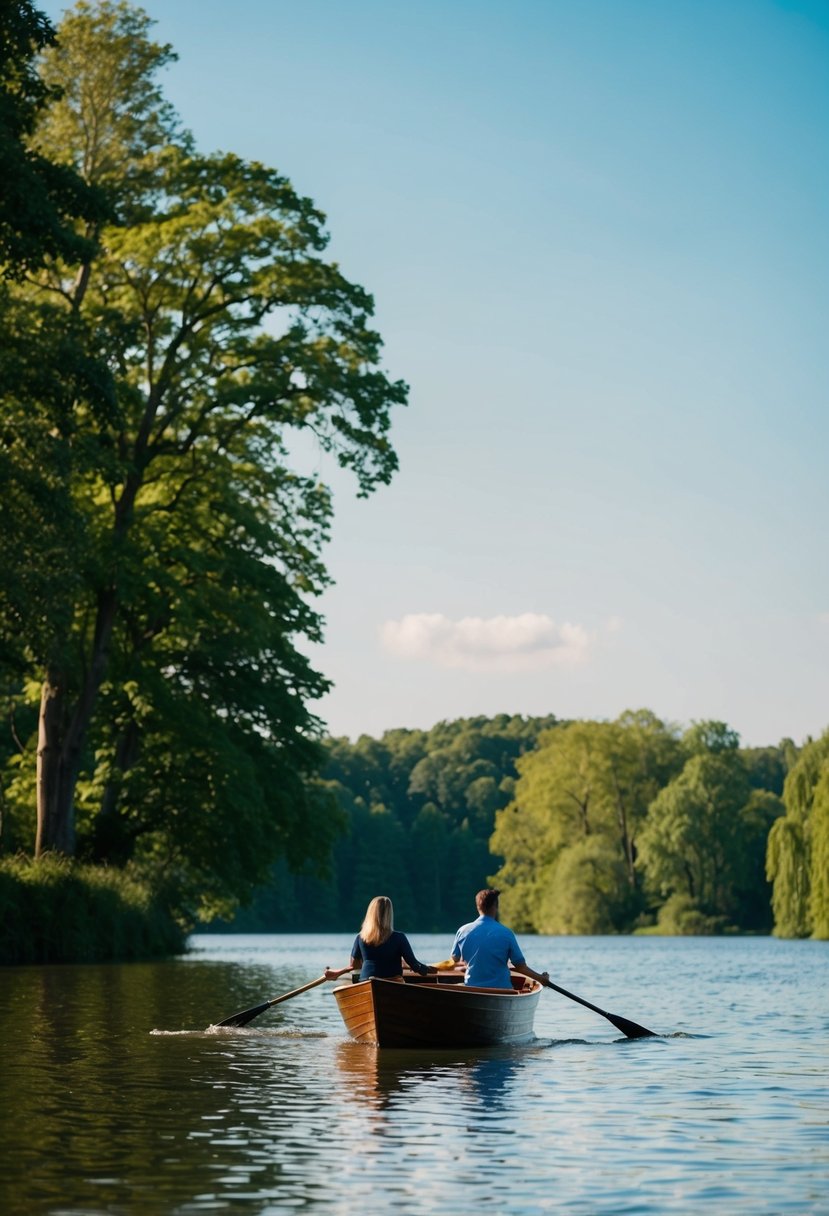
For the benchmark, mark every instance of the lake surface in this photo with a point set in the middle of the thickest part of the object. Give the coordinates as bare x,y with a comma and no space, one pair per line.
114,1098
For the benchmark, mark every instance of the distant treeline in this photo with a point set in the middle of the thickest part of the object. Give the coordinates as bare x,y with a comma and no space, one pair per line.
417,812
587,826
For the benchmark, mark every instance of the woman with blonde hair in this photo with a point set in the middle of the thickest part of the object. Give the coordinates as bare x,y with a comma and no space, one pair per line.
378,949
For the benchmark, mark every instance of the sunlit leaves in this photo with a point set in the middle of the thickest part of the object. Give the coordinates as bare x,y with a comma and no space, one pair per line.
584,793
798,850
205,328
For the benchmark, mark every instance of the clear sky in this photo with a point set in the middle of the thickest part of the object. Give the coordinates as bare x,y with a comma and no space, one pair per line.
597,232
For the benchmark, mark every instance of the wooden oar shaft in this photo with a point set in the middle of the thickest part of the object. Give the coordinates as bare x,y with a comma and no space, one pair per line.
573,997
247,1015
286,996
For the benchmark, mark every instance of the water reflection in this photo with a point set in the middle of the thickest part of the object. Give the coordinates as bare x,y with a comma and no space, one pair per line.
376,1079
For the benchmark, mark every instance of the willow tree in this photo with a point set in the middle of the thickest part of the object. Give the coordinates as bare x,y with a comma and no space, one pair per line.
174,718
798,849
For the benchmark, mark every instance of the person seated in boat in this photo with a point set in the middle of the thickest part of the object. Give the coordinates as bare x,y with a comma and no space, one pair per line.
378,949
488,947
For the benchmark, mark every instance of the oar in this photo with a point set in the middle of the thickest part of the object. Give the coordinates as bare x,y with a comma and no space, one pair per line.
630,1030
247,1015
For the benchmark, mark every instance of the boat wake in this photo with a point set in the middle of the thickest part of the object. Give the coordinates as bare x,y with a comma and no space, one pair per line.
238,1031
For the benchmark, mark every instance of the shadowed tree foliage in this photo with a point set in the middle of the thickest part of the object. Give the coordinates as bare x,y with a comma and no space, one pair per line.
40,198
704,842
419,809
696,839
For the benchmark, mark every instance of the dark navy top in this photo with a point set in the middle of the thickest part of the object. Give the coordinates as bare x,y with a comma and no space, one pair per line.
383,961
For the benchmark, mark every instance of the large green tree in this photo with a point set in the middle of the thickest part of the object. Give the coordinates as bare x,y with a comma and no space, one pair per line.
705,837
570,837
174,722
45,208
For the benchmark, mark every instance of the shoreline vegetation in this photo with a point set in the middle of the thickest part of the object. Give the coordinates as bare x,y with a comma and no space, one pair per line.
716,849
588,827
55,910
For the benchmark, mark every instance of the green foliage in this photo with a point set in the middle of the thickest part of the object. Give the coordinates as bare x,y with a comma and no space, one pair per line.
798,848
56,910
620,825
567,806
766,767
689,843
108,114
705,839
819,835
710,738
419,809
40,198
587,891
293,901
681,916
569,838
752,888
159,550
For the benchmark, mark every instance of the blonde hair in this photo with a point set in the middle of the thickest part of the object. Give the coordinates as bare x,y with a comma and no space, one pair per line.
378,922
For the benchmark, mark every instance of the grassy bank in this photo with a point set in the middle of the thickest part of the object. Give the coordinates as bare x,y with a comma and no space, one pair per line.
56,911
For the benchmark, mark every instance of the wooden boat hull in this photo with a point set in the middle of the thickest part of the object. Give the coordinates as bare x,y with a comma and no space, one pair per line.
435,1014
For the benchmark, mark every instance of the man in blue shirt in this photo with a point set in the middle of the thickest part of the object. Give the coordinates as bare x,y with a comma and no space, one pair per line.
486,946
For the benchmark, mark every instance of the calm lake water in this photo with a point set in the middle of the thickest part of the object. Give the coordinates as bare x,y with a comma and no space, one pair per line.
116,1099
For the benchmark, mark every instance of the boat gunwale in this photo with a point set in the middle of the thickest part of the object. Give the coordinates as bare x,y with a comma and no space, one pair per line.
427,985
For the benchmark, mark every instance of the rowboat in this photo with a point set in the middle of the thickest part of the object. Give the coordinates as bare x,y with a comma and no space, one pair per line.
437,1011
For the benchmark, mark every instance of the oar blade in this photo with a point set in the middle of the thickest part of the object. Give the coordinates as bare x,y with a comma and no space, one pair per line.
631,1030
247,1015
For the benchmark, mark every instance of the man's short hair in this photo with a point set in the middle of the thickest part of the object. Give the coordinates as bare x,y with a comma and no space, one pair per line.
486,900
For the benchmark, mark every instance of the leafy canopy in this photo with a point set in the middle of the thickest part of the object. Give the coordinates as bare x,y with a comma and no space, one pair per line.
165,594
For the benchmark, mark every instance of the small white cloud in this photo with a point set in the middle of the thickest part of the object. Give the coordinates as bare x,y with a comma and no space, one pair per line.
823,617
500,643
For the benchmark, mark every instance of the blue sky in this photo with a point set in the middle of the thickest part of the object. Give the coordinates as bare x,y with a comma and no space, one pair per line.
597,233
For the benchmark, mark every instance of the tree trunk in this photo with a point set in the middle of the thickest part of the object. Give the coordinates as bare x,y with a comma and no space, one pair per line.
627,843
61,737
582,804
689,875
55,829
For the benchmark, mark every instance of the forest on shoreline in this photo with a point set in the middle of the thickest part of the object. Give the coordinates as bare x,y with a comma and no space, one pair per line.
633,825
